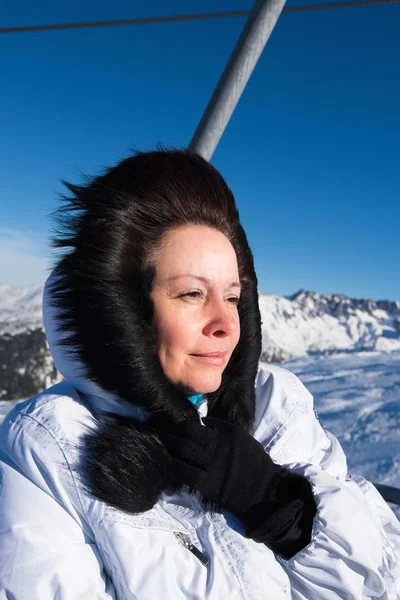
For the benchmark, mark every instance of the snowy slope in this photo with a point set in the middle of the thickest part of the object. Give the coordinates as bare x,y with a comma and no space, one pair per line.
357,397
6,406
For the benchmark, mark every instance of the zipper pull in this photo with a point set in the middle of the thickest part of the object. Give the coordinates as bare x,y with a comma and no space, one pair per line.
185,541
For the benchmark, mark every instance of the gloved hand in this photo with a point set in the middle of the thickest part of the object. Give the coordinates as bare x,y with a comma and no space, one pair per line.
229,467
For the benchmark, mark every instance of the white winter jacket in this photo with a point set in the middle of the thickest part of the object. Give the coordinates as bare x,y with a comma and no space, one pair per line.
58,542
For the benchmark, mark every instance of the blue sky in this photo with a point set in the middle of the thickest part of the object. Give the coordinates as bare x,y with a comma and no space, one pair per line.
311,152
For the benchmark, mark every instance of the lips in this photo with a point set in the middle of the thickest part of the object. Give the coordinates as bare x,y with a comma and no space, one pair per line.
212,359
217,354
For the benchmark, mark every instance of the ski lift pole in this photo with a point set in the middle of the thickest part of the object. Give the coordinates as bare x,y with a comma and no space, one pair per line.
242,61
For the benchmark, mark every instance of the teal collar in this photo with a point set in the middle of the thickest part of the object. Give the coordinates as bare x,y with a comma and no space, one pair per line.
196,399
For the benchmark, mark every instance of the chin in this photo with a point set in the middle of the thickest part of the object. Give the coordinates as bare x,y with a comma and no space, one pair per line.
203,385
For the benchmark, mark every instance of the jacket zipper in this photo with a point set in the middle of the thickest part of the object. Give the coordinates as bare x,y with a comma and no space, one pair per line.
184,540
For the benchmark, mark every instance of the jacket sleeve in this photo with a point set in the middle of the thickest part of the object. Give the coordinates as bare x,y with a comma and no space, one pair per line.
45,551
354,551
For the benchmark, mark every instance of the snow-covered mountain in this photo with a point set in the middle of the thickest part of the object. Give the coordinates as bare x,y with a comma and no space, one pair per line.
20,309
26,366
309,323
303,324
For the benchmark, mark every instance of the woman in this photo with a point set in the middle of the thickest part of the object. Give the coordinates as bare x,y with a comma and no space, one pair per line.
169,463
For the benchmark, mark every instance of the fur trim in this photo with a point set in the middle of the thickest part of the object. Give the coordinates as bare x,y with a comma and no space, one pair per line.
126,464
103,313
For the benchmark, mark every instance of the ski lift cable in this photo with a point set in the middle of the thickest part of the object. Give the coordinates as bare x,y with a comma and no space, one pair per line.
191,17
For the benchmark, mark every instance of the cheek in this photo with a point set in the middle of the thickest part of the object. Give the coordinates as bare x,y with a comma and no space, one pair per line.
174,337
173,347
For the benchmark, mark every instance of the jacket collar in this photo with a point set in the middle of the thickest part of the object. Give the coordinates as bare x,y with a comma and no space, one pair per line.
108,404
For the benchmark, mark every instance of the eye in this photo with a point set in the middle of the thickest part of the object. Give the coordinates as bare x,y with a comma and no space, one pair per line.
233,300
192,294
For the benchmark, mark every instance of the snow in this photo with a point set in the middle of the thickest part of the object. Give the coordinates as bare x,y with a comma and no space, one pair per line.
357,397
311,323
6,406
20,308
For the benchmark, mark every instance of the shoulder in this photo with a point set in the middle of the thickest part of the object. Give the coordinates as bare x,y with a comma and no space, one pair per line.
59,410
40,438
285,419
279,393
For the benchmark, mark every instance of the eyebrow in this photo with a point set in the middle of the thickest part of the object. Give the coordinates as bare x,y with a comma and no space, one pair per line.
200,278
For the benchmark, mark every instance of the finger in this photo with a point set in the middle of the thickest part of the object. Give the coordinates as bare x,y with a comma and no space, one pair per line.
187,474
219,424
185,450
284,523
189,430
171,440
291,485
196,432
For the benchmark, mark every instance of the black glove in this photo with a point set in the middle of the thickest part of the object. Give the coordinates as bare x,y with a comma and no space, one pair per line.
229,467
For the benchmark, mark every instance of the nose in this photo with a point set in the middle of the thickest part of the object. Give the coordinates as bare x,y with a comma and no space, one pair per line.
222,320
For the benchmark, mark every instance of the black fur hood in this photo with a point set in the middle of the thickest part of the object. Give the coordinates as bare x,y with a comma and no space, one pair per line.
125,463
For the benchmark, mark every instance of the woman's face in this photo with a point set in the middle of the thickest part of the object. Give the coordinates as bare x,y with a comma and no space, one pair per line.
195,294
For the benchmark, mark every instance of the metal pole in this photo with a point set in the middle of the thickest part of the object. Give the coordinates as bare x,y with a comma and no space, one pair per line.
244,57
